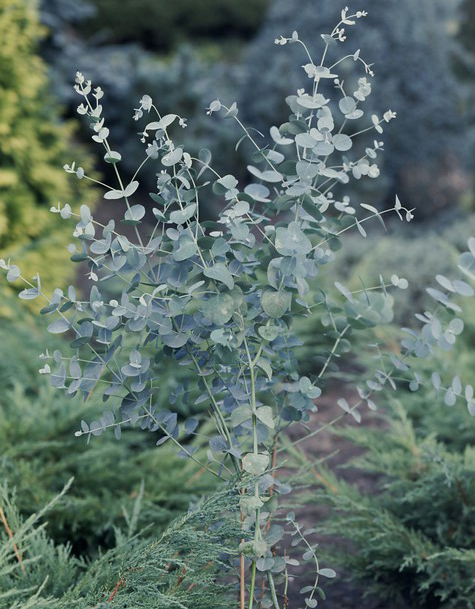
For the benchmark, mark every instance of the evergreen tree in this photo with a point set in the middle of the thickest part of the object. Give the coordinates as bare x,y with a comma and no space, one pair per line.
34,145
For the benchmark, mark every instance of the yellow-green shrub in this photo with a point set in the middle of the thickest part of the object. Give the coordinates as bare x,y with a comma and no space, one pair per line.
34,145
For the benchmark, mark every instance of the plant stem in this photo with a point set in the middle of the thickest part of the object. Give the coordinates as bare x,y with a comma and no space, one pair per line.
242,584
253,584
252,363
272,590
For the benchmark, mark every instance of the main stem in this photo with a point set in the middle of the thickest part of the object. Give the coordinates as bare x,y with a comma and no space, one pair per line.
256,485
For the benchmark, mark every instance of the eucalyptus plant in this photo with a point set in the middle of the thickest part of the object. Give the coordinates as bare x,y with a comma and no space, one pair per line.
218,297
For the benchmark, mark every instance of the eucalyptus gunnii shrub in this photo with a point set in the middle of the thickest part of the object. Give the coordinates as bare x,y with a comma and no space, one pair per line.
219,297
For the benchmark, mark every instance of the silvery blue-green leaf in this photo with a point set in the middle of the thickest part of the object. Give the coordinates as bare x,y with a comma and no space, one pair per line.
269,333
259,547
191,425
241,208
85,214
215,106
219,272
131,188
265,415
255,464
278,138
437,295
343,404
346,293
355,115
186,248
112,157
292,240
100,247
306,170
29,294
436,381
342,142
311,102
274,156
318,72
305,140
275,534
219,309
58,378
13,273
265,365
331,173
456,326
173,157
308,388
360,228
228,182
175,340
222,336
457,385
463,288
325,122
163,123
59,326
250,504
265,564
220,247
347,105
330,573
114,194
205,157
330,41
180,216
445,283
85,331
232,111
240,414
135,213
102,135
467,264
324,148
74,368
159,215
258,192
268,175
66,212
276,303
450,397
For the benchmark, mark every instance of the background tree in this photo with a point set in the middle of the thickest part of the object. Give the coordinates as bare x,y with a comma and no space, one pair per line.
33,147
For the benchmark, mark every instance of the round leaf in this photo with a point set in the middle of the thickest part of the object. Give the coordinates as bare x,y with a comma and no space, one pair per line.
276,304
255,464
